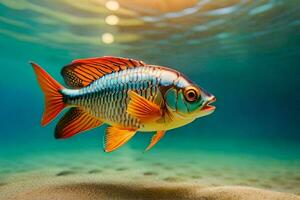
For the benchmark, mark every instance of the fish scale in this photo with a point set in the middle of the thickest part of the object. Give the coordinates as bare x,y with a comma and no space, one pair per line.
107,98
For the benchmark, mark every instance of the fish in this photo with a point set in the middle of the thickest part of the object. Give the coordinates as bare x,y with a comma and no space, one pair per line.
128,95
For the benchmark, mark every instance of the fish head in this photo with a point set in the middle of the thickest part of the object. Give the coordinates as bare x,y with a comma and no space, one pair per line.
190,101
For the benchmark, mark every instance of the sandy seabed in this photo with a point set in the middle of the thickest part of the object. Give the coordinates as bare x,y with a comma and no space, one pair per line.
130,175
86,187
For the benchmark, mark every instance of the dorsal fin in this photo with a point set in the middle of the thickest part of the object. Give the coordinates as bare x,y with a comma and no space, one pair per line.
82,72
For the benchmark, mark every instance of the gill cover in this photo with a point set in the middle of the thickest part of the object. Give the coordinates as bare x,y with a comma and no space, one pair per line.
177,101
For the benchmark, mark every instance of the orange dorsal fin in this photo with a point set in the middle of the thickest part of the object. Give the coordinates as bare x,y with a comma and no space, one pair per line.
156,137
53,97
143,109
116,137
82,72
75,121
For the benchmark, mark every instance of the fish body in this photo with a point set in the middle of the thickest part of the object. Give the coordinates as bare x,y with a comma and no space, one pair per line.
126,94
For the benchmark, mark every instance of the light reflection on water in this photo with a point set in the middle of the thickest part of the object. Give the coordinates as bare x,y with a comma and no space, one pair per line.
130,23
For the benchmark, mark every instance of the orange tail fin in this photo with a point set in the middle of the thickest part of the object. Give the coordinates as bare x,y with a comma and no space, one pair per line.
53,97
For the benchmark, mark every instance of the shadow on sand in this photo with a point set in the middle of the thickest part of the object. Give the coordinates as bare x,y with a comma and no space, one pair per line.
120,191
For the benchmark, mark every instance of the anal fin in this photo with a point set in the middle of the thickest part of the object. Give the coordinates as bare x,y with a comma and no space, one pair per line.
115,137
156,137
75,121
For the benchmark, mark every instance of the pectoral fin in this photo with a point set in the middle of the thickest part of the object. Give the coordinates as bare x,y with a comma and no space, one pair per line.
156,137
116,137
143,109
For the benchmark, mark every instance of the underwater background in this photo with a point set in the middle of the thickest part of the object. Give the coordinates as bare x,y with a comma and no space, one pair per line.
244,52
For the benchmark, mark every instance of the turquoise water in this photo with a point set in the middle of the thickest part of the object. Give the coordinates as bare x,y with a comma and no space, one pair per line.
244,52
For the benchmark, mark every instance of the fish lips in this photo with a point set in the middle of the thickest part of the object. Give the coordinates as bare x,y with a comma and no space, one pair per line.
207,109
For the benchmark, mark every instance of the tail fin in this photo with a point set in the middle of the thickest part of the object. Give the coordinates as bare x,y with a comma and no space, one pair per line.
53,97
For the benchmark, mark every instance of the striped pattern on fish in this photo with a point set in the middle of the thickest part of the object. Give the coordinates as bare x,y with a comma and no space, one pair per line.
107,98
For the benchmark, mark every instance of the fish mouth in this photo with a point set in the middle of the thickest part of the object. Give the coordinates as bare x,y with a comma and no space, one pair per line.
207,107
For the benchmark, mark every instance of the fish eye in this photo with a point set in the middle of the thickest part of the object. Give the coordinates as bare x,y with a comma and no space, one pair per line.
191,95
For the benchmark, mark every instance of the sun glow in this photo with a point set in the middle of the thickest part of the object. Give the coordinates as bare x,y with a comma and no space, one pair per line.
112,5
107,38
112,20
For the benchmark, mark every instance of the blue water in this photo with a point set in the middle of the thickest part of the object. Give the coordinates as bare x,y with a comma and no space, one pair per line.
245,53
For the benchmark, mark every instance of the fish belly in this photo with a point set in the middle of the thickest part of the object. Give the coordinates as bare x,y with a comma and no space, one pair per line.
165,124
